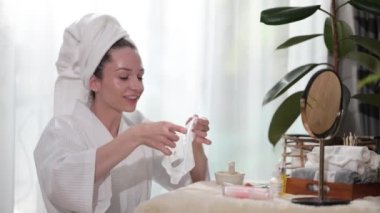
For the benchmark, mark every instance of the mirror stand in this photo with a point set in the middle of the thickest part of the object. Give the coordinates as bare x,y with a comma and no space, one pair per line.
321,200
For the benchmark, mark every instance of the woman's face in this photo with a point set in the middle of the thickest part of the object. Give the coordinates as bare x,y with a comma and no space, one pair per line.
121,84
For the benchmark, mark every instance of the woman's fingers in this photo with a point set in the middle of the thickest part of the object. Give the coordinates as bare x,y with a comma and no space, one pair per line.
165,150
203,121
169,143
163,145
163,135
200,133
168,137
202,140
202,125
177,128
172,137
200,129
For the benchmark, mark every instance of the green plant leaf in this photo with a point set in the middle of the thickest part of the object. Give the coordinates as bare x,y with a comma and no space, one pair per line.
366,60
346,97
372,78
373,45
296,40
285,15
328,35
372,99
284,117
287,81
371,6
344,32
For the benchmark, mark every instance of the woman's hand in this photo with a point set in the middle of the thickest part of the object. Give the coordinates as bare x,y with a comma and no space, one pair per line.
200,129
158,135
198,173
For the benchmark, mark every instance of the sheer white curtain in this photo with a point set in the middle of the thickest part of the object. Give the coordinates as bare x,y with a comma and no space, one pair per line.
213,58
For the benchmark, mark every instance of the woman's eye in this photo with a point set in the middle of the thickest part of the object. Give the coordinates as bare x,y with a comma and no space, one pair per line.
140,78
123,77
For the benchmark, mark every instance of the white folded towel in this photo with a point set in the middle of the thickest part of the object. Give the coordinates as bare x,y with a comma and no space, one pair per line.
354,166
353,158
341,154
374,161
182,159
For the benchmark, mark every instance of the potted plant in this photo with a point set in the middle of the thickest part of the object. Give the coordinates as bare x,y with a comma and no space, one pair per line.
340,42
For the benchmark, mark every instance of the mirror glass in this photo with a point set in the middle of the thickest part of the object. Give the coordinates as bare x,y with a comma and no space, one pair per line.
321,104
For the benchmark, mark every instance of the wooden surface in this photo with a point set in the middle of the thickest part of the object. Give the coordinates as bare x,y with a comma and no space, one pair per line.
337,190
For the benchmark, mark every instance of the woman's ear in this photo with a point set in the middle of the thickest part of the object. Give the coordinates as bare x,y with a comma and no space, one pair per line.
94,83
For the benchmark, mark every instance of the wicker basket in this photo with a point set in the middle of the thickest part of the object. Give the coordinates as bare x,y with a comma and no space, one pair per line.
296,146
295,149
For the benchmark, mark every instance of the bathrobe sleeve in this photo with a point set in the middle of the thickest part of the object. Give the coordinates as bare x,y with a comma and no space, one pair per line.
65,167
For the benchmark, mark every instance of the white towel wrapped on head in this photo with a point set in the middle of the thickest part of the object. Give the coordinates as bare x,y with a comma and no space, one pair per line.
85,42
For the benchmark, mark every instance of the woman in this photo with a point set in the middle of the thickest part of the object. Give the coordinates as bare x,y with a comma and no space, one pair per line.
91,157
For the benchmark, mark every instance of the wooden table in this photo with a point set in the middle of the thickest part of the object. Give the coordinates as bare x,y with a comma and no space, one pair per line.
206,197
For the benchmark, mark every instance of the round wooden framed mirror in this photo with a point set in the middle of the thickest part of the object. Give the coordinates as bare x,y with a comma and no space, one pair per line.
321,107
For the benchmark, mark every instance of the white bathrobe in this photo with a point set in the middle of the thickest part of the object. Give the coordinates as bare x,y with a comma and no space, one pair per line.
65,161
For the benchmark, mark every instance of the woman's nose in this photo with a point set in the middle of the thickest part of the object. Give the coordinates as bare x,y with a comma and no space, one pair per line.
136,84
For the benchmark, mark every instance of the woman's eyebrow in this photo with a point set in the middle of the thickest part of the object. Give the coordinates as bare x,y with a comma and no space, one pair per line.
129,69
124,68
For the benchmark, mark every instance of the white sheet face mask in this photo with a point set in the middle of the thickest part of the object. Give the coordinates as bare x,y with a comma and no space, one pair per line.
181,161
